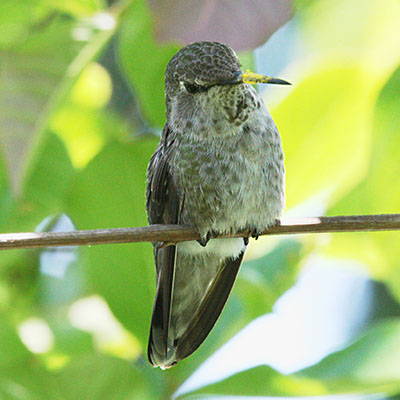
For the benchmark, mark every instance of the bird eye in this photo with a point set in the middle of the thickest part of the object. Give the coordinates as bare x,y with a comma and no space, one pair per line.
193,88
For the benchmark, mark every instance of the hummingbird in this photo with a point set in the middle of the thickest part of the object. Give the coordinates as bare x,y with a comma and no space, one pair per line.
219,167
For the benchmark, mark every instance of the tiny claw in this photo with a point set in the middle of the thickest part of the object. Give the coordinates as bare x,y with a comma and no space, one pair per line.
255,234
204,240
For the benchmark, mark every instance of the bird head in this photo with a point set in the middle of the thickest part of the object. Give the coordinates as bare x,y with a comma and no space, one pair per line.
204,85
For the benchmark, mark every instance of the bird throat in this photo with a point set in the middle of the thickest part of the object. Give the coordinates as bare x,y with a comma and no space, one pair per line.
219,112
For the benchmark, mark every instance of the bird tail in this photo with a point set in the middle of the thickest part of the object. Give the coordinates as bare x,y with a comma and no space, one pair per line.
178,327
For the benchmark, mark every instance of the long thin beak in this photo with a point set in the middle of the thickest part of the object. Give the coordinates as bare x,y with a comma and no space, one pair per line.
252,78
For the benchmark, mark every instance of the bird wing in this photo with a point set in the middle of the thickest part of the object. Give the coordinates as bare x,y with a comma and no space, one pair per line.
163,207
196,308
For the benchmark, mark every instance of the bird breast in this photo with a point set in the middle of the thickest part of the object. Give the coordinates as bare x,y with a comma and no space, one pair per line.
233,181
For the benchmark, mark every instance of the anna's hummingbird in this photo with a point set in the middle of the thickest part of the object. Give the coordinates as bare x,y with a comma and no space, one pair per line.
219,168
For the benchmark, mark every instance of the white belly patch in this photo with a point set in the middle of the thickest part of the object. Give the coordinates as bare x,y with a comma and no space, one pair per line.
222,248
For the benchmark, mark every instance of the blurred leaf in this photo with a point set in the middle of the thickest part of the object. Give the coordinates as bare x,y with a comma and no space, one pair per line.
12,351
48,174
35,76
16,20
3,175
82,130
91,377
317,142
261,381
304,4
379,192
76,7
242,25
109,192
370,364
43,191
27,382
69,340
264,279
365,32
247,60
277,269
85,130
144,61
5,193
99,377
93,87
30,73
19,270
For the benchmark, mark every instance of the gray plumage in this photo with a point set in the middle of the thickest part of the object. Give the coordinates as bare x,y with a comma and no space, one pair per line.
218,167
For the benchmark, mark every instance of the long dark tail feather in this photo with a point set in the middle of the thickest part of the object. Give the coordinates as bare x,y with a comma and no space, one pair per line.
158,341
166,352
210,309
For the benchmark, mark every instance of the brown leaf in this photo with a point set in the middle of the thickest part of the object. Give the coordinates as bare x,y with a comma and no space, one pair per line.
242,25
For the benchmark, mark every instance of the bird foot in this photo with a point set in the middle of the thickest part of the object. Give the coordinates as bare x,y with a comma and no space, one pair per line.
205,239
255,233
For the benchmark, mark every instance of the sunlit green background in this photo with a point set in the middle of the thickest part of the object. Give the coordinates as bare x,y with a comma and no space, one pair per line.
81,107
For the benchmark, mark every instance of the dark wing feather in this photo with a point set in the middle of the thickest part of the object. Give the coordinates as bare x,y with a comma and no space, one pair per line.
158,339
163,207
210,308
158,177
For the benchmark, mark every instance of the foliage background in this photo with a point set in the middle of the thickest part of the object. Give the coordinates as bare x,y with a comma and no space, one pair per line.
81,105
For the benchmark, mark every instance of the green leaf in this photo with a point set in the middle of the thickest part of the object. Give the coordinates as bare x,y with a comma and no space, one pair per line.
76,7
68,340
378,193
264,279
5,193
247,60
12,351
21,376
370,364
144,61
109,193
317,143
261,381
16,20
49,171
96,377
35,78
31,73
356,38
27,382
48,174
380,190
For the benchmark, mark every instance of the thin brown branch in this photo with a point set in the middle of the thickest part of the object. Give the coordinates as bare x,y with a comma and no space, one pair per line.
176,233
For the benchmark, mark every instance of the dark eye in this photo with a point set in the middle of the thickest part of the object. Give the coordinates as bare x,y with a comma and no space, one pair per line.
193,88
